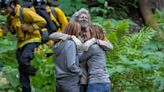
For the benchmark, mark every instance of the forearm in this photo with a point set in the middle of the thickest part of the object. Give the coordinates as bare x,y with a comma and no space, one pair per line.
107,45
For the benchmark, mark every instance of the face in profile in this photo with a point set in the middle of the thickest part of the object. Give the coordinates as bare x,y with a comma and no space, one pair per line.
86,34
9,9
84,20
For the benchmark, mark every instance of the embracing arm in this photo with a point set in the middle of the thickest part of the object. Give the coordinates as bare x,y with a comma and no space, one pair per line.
59,35
105,44
86,55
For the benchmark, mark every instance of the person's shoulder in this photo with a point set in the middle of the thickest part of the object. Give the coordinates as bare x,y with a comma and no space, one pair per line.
28,11
95,47
69,42
57,9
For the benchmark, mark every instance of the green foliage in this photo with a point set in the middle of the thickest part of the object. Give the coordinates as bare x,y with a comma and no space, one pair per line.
99,11
2,18
44,80
7,59
135,62
72,5
159,15
7,43
118,9
11,74
7,50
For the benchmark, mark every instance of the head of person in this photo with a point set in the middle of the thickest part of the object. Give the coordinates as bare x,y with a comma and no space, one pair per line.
72,28
93,31
52,3
39,2
9,6
99,34
88,33
82,16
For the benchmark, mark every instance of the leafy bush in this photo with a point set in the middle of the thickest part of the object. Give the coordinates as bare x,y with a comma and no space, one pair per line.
8,63
44,80
135,62
72,5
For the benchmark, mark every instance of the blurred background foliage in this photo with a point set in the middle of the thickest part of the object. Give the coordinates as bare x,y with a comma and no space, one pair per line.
136,63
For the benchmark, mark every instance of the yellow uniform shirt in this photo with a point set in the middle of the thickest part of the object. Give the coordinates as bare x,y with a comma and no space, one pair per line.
62,19
34,22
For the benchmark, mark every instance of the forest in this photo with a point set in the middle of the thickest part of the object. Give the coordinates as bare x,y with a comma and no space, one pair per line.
134,27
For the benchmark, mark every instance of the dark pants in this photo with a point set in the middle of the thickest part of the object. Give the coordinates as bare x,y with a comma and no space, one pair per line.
24,57
68,84
98,87
83,87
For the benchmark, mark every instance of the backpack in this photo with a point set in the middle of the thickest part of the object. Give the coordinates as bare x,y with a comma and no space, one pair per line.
51,26
44,33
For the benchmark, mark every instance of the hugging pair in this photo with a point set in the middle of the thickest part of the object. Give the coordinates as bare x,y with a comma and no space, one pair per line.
70,53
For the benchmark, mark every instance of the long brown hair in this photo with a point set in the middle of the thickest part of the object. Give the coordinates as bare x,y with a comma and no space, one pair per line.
72,28
91,30
97,32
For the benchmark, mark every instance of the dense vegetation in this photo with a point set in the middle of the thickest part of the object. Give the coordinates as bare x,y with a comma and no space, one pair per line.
136,63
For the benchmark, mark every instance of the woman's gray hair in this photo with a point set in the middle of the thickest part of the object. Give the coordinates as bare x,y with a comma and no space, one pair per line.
75,16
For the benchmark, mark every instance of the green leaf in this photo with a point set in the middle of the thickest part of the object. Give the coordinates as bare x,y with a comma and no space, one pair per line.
101,1
12,75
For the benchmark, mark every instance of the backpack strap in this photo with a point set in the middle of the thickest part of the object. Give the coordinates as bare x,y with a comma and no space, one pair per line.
53,12
55,15
21,15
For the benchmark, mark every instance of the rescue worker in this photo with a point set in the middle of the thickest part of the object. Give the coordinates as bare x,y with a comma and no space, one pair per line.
57,16
28,37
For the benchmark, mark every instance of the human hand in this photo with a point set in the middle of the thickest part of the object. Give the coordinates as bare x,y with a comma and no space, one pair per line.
11,30
77,42
88,43
24,27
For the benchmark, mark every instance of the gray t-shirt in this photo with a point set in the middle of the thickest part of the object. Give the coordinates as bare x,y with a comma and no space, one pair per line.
96,61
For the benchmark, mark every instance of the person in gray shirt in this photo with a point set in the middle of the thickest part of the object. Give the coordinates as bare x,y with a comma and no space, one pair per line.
67,70
98,77
106,45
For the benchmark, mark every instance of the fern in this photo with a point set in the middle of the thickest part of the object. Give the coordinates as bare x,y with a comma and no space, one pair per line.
132,61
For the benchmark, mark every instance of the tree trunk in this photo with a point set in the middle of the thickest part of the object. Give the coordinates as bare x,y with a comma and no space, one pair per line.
147,8
146,11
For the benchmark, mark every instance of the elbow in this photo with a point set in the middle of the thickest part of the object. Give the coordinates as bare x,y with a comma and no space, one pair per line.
44,22
111,47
